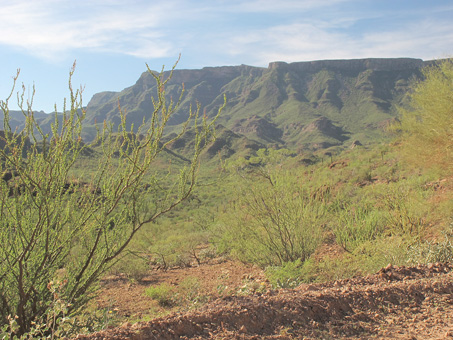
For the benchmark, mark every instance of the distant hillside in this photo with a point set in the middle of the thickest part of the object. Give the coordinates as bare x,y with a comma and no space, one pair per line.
45,121
308,105
304,105
17,119
226,144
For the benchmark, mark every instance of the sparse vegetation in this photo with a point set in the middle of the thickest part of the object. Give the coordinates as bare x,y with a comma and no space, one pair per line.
299,216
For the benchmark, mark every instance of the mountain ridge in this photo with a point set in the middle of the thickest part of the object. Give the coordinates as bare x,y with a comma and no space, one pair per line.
303,105
280,105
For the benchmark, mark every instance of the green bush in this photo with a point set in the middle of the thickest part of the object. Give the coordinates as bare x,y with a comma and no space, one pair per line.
431,251
357,224
55,226
187,293
426,126
288,275
164,294
374,255
275,221
405,211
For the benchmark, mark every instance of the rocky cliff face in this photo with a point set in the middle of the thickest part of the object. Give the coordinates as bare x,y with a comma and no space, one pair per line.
281,104
352,65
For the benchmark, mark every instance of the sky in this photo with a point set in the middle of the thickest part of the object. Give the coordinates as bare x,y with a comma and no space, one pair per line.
113,40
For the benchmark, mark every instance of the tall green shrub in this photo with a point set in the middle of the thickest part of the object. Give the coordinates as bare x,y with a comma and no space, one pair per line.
54,227
426,127
276,221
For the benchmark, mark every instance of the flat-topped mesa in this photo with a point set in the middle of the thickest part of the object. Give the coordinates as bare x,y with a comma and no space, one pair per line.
224,73
354,65
275,105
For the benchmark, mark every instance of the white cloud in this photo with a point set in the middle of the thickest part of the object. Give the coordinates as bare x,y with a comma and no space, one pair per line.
48,28
294,42
316,40
427,40
279,6
52,29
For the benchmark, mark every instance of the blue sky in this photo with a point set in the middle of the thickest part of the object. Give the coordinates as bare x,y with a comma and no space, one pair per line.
113,39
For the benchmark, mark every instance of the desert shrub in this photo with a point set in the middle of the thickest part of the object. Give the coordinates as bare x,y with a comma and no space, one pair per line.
208,253
173,249
374,255
275,221
189,288
292,274
404,211
54,227
288,275
367,258
250,286
187,293
164,294
431,251
361,175
426,126
357,224
337,268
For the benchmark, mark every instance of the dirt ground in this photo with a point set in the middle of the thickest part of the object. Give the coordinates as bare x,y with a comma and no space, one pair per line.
215,278
395,303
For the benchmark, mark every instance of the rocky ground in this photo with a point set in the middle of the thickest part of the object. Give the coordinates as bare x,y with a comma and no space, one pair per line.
395,303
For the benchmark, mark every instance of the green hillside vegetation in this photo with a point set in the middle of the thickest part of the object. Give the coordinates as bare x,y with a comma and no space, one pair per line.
276,106
282,209
320,208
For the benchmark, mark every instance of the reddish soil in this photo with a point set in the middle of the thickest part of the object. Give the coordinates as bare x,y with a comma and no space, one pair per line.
128,299
395,303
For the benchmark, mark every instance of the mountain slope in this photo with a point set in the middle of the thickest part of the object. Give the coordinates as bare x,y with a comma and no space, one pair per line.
306,104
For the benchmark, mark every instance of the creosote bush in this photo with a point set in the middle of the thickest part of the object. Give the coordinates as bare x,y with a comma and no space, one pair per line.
57,227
